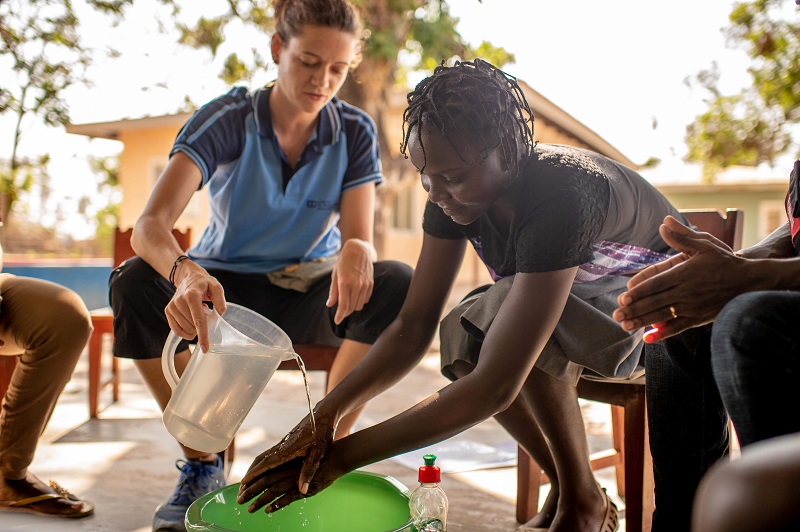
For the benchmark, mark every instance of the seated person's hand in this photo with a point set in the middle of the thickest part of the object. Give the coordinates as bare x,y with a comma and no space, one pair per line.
686,290
290,466
352,279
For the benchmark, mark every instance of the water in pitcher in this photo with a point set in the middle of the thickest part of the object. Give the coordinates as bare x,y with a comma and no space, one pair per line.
225,384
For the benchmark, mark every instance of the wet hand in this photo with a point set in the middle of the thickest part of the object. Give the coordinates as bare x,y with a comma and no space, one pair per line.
352,279
301,442
186,312
277,487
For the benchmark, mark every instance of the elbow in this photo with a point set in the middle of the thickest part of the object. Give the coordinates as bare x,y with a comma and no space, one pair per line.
137,238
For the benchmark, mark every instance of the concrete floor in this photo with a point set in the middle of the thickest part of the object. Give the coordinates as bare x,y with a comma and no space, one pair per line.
124,460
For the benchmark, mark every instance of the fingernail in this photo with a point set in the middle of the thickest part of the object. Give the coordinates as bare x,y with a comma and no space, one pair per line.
304,489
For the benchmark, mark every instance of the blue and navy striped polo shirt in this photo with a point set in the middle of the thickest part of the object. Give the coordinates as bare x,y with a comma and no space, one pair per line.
259,222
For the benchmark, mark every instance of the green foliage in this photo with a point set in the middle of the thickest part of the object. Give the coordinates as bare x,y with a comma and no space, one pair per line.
753,126
106,218
651,162
41,41
108,170
425,29
206,33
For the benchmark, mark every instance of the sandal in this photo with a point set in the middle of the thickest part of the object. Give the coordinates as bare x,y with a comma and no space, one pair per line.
611,519
26,505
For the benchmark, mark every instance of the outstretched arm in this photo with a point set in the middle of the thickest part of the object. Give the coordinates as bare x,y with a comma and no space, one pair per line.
515,340
396,352
153,241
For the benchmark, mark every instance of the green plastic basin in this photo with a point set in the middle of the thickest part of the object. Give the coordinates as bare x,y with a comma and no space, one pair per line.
359,501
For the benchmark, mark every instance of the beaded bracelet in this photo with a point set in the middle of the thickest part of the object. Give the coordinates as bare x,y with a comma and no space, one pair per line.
180,259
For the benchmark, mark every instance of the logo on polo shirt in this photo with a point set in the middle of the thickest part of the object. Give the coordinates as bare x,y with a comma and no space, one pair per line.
322,205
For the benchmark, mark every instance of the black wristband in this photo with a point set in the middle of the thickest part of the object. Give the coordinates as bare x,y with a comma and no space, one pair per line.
180,259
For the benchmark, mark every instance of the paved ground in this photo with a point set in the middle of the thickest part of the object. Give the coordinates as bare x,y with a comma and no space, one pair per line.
124,461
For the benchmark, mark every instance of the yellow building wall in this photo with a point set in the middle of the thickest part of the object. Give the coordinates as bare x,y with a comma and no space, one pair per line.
141,162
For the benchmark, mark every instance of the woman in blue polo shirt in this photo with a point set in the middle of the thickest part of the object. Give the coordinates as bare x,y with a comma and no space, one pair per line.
291,172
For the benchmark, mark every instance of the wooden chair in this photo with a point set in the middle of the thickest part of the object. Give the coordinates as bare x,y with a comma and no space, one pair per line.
630,454
315,357
103,323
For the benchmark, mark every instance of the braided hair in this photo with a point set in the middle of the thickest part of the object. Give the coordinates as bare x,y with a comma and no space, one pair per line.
472,104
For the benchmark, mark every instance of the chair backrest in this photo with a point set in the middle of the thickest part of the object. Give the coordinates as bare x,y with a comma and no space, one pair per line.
124,251
727,226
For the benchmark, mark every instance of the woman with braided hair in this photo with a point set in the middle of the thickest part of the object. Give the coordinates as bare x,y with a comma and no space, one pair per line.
560,229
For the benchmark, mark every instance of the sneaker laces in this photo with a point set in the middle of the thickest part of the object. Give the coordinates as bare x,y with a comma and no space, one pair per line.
197,479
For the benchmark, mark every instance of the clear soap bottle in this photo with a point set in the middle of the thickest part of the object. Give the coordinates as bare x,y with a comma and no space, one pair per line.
428,503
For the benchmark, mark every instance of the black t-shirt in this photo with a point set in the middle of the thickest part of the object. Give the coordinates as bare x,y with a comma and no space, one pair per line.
574,207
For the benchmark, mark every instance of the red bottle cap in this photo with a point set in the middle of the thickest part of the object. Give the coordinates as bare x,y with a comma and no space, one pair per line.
429,473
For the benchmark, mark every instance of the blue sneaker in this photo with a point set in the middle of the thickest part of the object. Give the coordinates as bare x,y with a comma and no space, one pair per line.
197,479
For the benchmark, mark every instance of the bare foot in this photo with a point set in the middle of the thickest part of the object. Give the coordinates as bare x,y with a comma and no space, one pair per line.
548,512
31,486
587,513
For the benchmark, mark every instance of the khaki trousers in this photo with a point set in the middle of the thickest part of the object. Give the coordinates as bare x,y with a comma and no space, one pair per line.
48,325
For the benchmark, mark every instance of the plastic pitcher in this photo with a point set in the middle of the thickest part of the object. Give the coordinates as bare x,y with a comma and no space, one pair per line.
219,387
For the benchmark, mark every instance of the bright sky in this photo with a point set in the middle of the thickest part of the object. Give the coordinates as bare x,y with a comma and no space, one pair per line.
618,66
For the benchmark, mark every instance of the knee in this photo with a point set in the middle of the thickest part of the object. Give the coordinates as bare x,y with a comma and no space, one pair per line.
392,279
457,369
394,275
67,322
130,278
741,326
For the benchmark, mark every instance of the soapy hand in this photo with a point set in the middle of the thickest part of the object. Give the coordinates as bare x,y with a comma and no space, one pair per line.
290,468
352,279
686,290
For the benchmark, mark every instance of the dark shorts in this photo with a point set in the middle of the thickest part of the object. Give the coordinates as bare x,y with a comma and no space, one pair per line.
139,295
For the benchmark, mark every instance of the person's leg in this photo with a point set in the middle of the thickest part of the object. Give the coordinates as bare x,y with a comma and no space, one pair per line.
545,418
581,502
520,422
48,325
757,493
755,346
138,296
687,423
